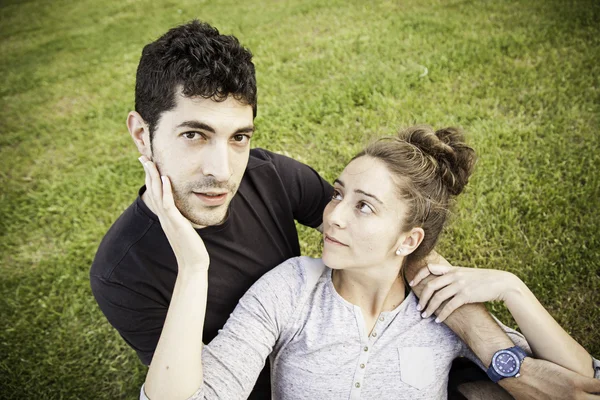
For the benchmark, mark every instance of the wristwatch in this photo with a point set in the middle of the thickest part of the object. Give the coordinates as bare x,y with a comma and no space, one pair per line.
506,363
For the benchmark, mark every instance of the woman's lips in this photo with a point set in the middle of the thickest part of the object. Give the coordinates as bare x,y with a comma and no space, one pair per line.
212,199
332,240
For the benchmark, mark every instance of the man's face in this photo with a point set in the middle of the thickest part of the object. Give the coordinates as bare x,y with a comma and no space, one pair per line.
203,147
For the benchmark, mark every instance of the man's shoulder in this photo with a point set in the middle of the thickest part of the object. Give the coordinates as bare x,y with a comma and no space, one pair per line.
260,157
125,235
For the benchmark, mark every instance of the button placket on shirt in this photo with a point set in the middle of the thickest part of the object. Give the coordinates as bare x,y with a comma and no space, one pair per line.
363,359
359,373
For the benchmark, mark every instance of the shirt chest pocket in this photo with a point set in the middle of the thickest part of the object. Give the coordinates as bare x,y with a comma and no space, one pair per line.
417,367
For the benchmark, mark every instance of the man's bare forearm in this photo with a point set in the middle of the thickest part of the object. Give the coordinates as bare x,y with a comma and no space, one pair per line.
471,322
539,379
476,327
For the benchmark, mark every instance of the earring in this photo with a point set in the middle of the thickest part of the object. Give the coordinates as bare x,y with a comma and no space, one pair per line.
400,251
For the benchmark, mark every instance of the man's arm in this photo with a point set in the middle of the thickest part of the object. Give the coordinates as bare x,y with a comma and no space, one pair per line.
307,192
138,319
471,322
476,327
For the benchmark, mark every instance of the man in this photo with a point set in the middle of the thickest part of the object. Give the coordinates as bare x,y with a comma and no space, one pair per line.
195,105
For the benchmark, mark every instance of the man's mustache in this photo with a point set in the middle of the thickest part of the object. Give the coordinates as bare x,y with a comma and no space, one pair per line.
210,183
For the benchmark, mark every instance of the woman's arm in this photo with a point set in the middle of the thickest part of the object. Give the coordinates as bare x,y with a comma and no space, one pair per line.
176,368
229,366
471,285
548,340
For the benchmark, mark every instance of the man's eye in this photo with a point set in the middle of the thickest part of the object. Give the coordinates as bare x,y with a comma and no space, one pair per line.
364,208
241,138
190,135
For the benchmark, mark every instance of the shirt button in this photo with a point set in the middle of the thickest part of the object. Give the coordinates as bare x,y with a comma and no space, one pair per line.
362,366
374,334
381,319
357,384
366,348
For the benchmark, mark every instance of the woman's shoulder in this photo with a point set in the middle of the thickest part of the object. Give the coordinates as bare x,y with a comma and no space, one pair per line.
285,288
296,272
299,272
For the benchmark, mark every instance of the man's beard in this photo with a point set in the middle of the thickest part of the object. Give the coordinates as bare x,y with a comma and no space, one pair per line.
203,216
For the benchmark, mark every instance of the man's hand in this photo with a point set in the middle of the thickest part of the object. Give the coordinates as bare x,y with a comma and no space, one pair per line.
539,379
545,380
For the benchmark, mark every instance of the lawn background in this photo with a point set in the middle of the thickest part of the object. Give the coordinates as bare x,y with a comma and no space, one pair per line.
521,77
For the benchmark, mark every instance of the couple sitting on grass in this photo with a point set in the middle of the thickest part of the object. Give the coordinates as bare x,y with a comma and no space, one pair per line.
347,325
216,220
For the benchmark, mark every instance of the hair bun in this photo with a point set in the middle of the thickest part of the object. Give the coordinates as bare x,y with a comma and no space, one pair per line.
454,159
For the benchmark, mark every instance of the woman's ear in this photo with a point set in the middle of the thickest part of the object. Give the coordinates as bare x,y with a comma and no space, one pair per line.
411,241
139,133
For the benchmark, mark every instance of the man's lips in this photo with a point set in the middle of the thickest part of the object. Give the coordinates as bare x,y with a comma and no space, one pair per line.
332,240
212,198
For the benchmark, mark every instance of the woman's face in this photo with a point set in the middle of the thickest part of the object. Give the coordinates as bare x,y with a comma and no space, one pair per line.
362,222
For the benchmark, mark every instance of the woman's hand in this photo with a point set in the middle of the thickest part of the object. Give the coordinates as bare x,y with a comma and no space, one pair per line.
460,286
187,245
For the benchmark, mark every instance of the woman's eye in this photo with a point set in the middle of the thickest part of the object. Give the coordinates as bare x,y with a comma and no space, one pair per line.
364,208
336,195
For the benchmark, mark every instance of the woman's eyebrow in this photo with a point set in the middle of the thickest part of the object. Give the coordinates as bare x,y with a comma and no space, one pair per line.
368,195
339,182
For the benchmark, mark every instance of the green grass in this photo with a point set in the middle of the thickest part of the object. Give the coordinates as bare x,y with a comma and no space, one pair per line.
521,77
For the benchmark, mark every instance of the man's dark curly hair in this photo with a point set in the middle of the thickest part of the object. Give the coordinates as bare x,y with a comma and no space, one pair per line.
200,61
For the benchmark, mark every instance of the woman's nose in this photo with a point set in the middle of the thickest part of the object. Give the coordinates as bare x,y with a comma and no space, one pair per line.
337,216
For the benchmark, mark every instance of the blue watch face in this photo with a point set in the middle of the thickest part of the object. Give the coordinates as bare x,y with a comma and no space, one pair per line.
506,364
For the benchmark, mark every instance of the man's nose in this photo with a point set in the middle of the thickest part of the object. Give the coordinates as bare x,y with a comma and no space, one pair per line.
215,161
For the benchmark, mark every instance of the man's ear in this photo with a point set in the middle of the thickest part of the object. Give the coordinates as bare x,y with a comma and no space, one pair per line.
412,240
139,133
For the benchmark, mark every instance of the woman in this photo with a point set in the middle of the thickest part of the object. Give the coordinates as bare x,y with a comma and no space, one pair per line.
346,325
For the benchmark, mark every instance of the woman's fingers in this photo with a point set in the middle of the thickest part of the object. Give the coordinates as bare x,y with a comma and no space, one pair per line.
156,189
438,298
187,245
147,179
449,308
431,287
439,269
430,269
167,193
422,274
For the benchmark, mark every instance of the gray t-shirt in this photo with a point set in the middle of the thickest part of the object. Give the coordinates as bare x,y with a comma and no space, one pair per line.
318,346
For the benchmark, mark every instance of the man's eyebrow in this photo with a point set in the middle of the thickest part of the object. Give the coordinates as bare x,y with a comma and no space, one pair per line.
246,129
195,124
359,191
